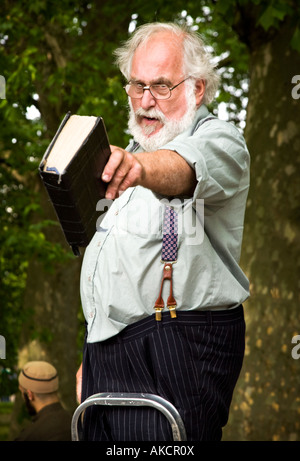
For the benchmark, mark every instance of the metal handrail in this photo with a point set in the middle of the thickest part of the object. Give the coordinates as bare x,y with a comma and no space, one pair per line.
132,399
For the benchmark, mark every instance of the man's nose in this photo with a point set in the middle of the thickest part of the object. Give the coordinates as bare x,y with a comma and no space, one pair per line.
147,100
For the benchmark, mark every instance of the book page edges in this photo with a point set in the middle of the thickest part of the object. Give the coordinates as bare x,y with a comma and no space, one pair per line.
71,135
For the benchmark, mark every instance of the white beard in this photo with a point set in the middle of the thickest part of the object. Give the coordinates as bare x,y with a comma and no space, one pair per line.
171,128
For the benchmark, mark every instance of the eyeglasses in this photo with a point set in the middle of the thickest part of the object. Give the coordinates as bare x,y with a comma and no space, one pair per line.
135,90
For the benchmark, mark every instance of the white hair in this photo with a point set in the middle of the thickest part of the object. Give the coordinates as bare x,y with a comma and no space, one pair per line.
196,58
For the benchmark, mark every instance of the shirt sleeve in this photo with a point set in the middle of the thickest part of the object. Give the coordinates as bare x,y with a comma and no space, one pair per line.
218,153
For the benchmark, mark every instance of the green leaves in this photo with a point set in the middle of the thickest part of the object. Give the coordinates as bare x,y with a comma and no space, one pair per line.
295,42
261,13
274,13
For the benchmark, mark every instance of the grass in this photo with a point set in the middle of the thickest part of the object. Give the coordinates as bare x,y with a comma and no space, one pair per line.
5,416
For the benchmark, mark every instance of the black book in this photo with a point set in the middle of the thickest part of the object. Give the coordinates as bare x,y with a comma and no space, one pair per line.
71,171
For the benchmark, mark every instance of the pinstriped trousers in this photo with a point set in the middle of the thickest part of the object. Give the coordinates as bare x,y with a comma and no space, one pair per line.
192,361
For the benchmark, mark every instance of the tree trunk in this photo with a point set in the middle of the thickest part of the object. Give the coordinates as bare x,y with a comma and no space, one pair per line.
266,403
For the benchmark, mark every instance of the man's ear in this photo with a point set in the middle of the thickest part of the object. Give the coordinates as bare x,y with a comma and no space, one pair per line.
199,91
30,395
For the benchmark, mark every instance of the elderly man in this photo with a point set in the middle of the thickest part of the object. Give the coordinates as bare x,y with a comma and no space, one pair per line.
161,286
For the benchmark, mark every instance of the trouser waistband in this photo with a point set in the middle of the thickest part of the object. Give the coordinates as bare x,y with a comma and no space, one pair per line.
208,317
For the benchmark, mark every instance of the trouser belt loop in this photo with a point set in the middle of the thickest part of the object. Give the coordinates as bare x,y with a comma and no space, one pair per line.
209,318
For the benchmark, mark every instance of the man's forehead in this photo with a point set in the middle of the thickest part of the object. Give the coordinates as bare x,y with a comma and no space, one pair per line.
157,59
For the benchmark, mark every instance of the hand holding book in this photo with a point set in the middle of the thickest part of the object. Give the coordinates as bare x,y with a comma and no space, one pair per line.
122,170
80,168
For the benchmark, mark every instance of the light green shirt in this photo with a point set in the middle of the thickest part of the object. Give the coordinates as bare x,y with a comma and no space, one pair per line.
122,271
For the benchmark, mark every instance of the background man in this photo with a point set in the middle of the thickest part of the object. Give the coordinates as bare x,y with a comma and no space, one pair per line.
38,383
179,150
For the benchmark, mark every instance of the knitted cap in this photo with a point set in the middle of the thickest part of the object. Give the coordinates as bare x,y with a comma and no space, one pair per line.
39,377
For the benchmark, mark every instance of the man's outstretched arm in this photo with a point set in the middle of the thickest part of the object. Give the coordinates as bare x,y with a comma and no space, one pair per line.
164,172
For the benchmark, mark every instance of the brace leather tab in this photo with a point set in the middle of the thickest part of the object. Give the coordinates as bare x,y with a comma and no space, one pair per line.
171,303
